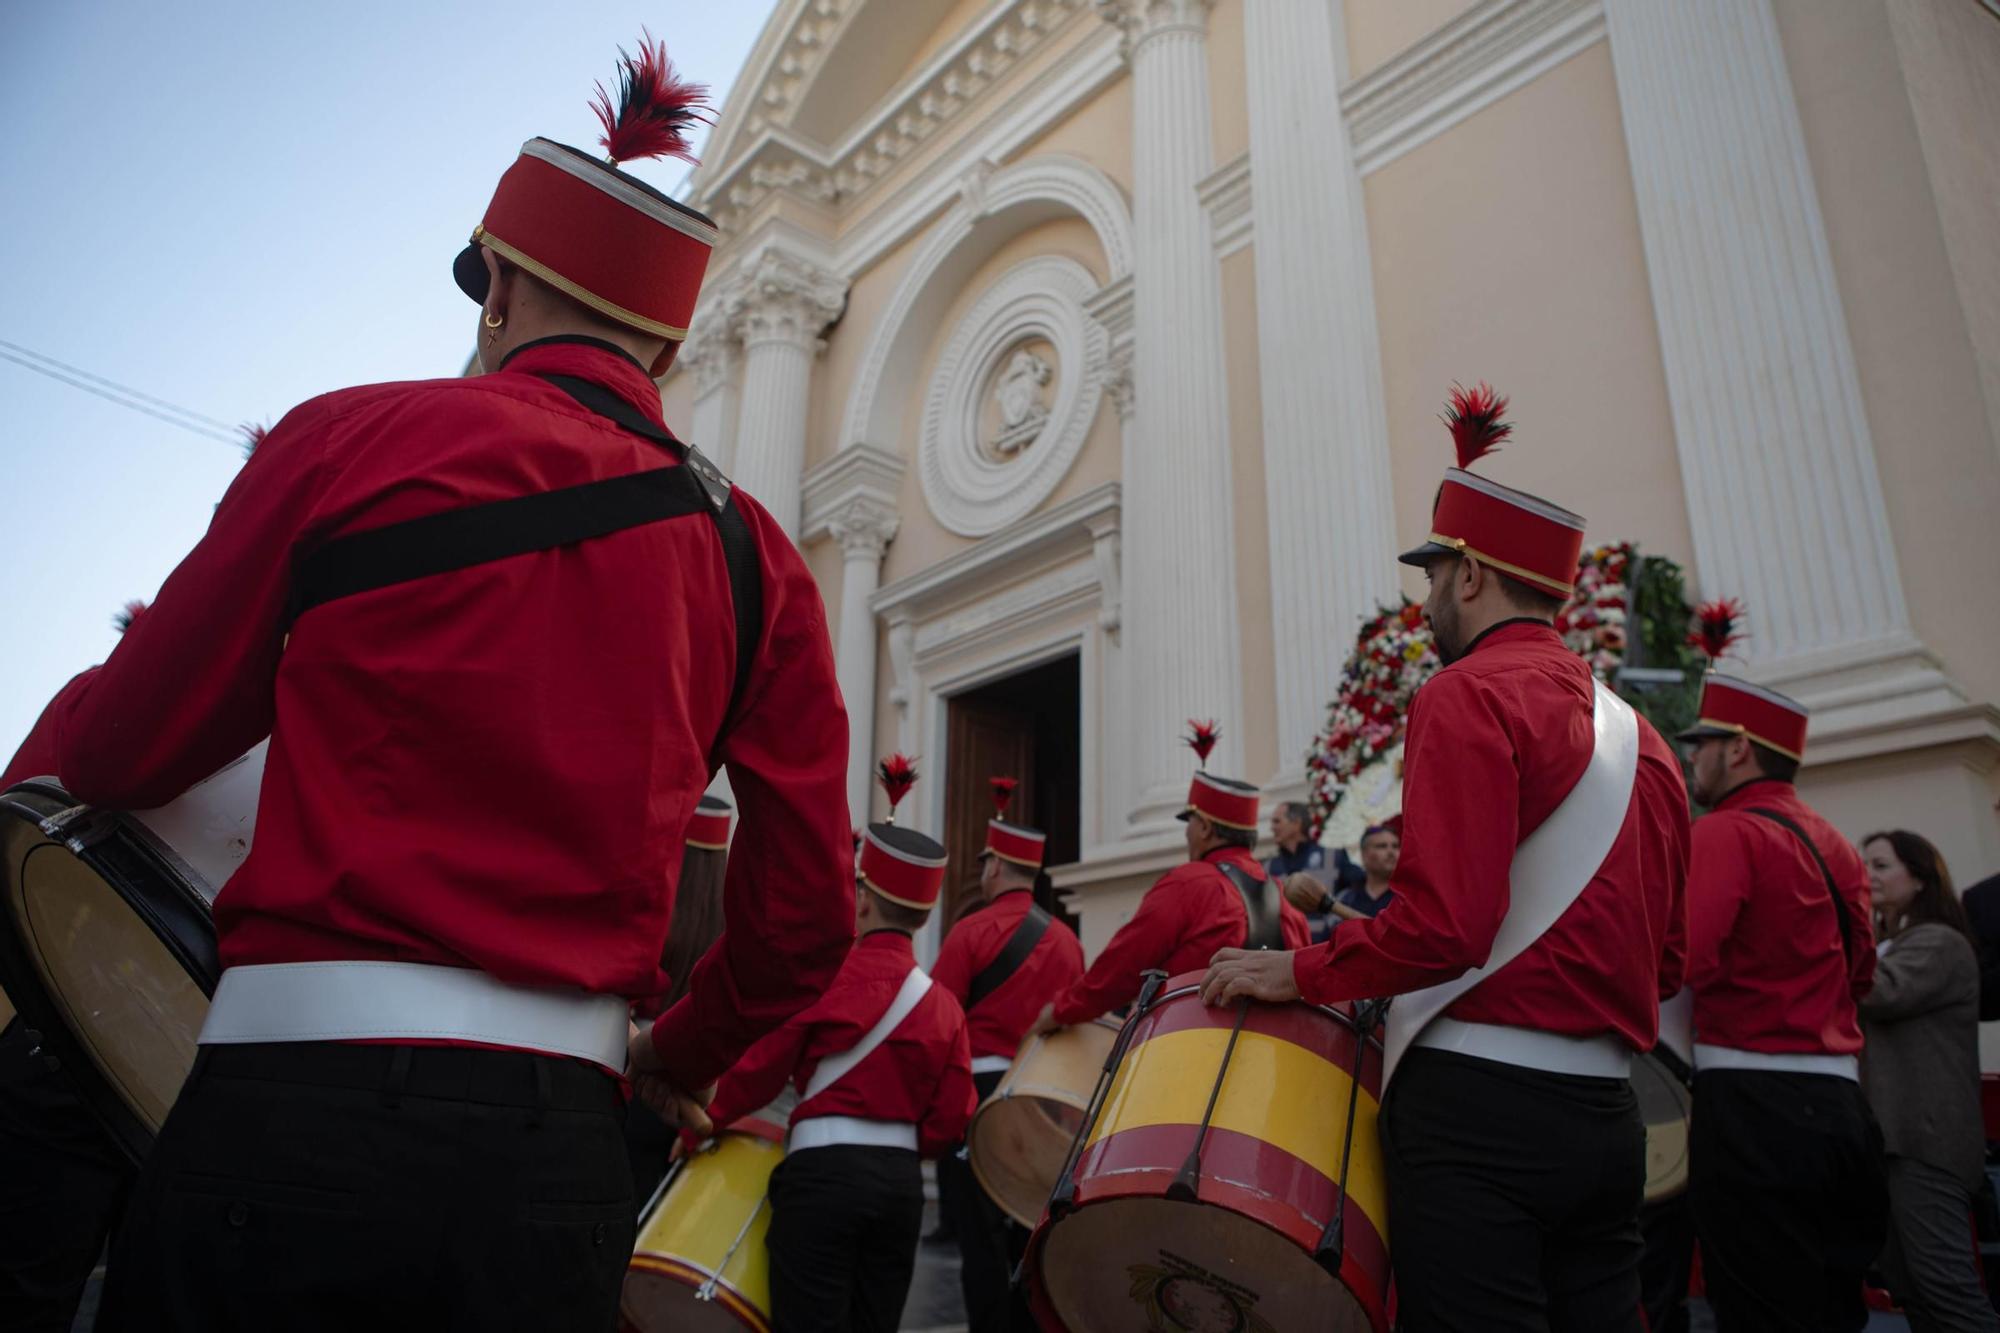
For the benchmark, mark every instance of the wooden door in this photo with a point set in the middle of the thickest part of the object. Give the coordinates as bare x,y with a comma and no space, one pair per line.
983,742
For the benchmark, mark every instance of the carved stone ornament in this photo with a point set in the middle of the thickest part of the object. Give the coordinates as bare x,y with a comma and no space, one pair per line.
779,297
1019,396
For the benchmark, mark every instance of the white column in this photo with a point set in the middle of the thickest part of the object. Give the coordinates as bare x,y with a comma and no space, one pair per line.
1326,433
864,530
777,307
1179,543
713,358
1779,466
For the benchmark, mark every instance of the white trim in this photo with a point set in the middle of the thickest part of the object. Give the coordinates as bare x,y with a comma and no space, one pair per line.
1226,195
849,1131
601,176
1534,504
832,1069
1478,58
992,1064
1528,1048
1053,532
1769,696
1709,1058
860,472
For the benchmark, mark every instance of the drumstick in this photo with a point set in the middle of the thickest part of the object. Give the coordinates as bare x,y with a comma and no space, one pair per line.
1187,1185
1332,1241
1064,1193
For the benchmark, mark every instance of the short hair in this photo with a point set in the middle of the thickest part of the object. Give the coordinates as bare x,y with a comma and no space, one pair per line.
1774,765
896,914
1014,870
1531,600
1374,829
1233,837
1296,811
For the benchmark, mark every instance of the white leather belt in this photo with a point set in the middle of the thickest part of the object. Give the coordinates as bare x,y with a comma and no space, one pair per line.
354,1001
827,1131
1551,1052
992,1064
1777,1062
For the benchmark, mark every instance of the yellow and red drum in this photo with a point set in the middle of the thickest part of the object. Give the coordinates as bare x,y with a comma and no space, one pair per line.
1020,1136
1204,1189
699,1265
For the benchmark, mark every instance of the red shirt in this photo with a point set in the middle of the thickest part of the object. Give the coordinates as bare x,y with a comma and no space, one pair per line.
921,1074
1495,742
1188,914
1764,957
998,1022
491,768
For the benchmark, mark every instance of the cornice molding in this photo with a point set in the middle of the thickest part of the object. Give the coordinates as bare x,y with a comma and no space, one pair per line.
1225,193
1068,529
860,474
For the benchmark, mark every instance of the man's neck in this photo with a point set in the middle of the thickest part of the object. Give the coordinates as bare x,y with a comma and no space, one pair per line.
1377,887
1291,848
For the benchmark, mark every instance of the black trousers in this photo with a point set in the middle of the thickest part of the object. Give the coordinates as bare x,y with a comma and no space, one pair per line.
63,1183
989,1241
1513,1197
1790,1204
845,1222
324,1186
1668,1227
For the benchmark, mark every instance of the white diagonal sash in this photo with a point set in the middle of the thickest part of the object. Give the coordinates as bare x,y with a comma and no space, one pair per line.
836,1067
1551,868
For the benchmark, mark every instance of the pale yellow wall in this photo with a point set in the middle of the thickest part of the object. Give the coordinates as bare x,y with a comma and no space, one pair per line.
823,558
921,540
1508,249
1380,29
1229,107
1919,374
846,344
1946,794
677,400
1100,133
1257,712
944,34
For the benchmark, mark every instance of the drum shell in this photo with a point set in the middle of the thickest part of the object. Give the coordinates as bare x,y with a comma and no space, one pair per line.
709,1222
1020,1136
1666,1105
1272,1159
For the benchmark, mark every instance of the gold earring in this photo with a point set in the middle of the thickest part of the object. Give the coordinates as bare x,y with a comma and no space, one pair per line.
491,322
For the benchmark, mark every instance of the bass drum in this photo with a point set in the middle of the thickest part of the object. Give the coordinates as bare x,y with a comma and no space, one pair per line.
699,1264
107,944
1020,1135
1665,1104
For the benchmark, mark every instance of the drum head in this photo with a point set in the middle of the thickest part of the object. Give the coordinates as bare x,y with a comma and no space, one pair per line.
1017,1146
1665,1105
1147,1262
110,955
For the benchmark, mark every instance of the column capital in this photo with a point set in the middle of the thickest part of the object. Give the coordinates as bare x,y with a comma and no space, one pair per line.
863,528
1143,20
780,297
709,354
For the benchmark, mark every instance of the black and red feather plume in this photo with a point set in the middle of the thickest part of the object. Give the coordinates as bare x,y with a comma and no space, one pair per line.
897,774
1718,627
129,614
1201,738
253,434
1474,419
656,108
1003,792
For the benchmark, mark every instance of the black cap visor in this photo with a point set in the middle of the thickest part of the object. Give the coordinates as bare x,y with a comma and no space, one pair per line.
1420,556
469,272
1703,732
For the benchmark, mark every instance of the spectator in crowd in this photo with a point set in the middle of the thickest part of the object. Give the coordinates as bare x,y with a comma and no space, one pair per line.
1982,908
1921,1072
1327,907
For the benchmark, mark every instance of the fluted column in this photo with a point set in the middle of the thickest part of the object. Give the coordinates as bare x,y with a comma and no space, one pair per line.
711,356
1777,459
1326,432
1180,552
777,306
864,530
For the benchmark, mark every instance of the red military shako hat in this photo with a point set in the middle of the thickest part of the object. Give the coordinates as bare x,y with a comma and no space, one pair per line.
595,233
1224,801
1732,707
1011,842
902,865
709,829
1520,535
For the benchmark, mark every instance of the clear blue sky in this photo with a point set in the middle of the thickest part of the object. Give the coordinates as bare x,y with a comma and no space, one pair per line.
234,206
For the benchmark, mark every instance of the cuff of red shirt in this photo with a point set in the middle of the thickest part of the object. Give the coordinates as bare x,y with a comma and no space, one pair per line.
1071,1009
1310,973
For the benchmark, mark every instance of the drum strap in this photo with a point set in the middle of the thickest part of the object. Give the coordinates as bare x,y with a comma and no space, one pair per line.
482,533
837,1067
1263,913
1826,877
1008,961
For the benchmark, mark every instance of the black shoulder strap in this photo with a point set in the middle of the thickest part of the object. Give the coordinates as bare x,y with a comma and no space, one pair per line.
478,534
1826,875
1014,953
1263,913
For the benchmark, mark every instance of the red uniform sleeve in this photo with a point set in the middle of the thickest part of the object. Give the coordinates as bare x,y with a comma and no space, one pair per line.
788,897
1461,816
1718,885
1674,949
1140,943
954,962
37,757
954,1100
191,684
760,1075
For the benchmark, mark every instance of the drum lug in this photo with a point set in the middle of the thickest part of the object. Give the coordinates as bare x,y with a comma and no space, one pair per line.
78,828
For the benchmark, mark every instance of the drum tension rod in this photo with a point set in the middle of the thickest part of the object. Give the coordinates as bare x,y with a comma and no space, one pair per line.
1333,1241
1063,1197
1187,1185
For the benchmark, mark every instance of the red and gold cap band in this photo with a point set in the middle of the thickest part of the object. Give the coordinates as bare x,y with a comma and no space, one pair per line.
902,865
709,828
1516,533
1732,707
1022,846
1223,801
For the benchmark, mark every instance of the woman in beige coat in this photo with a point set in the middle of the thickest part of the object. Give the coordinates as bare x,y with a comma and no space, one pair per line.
1921,1070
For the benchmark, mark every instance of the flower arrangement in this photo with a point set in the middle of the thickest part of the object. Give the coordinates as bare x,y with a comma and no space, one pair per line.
1593,624
1393,656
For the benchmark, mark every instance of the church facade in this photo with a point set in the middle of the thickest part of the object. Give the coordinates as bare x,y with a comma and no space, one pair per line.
1092,353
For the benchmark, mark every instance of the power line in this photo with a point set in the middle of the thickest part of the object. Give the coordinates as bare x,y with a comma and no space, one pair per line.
160,409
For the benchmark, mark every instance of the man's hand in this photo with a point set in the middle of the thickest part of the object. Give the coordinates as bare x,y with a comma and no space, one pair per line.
1045,1021
1260,974
679,1108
